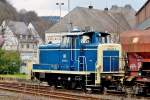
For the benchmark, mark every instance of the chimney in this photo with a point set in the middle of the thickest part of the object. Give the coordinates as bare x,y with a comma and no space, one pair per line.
114,7
105,9
90,7
128,6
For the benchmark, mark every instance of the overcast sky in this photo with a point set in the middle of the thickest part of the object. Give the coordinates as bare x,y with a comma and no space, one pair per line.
49,8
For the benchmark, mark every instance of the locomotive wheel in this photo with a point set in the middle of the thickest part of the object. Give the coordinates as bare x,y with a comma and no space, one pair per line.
73,85
62,85
66,85
53,87
69,85
88,90
49,83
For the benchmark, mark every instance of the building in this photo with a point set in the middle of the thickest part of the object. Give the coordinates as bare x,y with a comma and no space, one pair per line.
90,19
35,33
143,16
18,37
53,38
57,37
10,39
40,27
127,11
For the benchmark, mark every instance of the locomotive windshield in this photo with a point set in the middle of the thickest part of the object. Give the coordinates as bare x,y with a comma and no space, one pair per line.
68,41
97,37
105,38
86,38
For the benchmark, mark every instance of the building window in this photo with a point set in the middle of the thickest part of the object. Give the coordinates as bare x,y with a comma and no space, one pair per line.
22,46
33,46
31,37
20,36
26,36
28,46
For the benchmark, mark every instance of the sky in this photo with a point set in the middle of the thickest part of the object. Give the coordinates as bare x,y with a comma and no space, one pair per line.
49,7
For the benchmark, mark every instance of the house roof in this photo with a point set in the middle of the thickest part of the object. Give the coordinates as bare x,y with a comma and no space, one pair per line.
18,27
99,20
136,40
142,7
41,27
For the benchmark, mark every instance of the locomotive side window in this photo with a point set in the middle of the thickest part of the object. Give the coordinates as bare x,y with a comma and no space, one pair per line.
66,41
103,39
108,39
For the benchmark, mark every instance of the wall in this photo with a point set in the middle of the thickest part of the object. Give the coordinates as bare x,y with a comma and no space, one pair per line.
143,14
53,37
11,42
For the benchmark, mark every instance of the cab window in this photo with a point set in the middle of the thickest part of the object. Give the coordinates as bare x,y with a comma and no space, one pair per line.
66,41
85,39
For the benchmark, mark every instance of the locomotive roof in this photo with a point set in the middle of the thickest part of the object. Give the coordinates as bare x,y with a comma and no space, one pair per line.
86,33
102,33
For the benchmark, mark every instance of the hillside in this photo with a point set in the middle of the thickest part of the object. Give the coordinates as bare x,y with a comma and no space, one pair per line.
7,11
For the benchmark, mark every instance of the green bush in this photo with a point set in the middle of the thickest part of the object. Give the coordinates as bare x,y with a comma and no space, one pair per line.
9,62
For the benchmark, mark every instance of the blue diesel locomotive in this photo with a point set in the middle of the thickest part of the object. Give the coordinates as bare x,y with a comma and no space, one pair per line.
85,60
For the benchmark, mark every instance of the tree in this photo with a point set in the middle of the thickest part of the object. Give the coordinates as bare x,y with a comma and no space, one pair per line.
9,62
28,17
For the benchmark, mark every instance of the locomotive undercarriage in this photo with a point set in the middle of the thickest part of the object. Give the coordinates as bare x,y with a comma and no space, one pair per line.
82,82
67,81
140,84
113,84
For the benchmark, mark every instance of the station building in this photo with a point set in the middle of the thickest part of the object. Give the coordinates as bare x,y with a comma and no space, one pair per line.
90,19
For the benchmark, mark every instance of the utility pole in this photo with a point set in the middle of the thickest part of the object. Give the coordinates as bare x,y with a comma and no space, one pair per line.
59,4
69,18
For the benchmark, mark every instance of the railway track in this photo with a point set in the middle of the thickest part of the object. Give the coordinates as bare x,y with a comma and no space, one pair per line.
128,94
44,91
61,94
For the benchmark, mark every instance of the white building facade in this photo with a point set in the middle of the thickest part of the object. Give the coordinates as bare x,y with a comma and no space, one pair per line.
19,37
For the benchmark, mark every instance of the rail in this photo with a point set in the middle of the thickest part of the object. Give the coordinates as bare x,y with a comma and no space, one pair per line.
43,91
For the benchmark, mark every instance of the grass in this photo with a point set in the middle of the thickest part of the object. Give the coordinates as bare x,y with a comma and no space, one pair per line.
21,76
